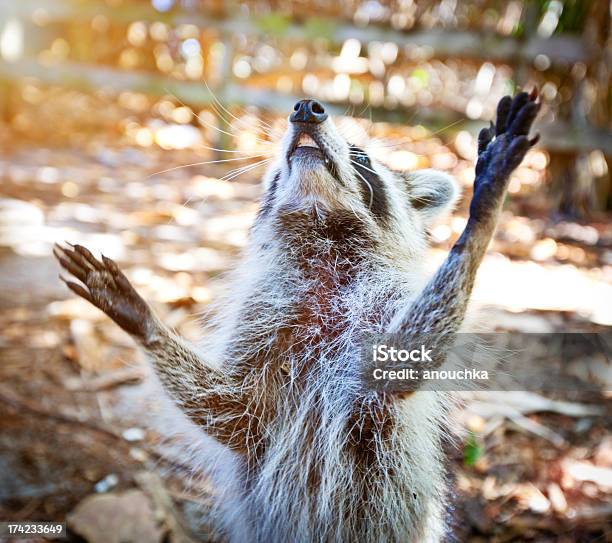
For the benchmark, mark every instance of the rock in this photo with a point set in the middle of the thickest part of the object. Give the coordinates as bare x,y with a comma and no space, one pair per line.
116,518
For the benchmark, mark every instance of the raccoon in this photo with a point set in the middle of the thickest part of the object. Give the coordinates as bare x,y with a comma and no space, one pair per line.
336,252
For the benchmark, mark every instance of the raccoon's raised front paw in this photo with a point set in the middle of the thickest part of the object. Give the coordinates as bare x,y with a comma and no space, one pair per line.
502,147
107,288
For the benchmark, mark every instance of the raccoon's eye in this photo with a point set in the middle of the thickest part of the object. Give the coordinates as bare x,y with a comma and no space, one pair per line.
359,156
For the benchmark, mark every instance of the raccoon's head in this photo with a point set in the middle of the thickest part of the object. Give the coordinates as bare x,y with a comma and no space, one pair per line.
324,186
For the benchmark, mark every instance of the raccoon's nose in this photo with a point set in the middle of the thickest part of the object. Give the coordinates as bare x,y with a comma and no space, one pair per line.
308,111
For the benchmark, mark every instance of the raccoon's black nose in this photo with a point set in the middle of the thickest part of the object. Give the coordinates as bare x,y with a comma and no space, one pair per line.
308,111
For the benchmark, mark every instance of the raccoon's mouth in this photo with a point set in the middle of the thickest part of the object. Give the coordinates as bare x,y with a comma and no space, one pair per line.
310,146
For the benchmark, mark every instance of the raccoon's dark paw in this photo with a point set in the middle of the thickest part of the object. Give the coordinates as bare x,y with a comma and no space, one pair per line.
105,287
503,145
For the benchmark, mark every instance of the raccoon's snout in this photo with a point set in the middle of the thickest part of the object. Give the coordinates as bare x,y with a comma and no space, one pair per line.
308,111
309,135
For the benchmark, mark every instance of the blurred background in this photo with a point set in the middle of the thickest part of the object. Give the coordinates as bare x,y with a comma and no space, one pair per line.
141,129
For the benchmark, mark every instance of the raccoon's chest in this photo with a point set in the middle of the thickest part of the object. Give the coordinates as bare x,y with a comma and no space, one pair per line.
314,312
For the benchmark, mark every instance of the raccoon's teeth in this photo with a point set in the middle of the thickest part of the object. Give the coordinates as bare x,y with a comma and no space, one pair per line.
306,141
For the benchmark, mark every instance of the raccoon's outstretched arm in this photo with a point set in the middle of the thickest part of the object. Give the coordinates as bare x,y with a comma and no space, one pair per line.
200,390
439,310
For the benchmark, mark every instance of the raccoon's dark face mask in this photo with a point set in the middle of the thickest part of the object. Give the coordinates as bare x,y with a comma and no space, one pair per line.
319,167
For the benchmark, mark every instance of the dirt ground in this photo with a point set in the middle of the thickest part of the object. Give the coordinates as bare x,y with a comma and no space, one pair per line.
78,438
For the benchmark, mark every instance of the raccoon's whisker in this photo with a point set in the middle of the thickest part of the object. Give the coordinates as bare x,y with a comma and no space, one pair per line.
228,122
198,117
351,108
419,199
263,162
266,124
389,143
203,163
445,128
381,142
405,140
316,210
207,124
364,108
366,182
252,164
407,122
239,171
354,212
184,204
371,121
223,108
364,167
350,133
223,150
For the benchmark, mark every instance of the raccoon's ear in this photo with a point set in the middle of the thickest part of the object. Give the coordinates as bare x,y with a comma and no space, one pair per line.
431,193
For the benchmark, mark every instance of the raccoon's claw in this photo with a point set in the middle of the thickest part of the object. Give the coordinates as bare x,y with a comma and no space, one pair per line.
514,118
484,137
106,287
502,146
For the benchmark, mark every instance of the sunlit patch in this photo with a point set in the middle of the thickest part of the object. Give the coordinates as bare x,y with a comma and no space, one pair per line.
441,233
247,141
137,33
231,228
206,187
341,87
177,137
514,185
544,249
201,294
540,288
402,160
144,137
182,115
466,145
458,224
12,40
48,175
200,259
536,159
70,189
353,130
